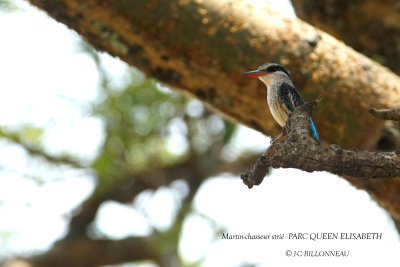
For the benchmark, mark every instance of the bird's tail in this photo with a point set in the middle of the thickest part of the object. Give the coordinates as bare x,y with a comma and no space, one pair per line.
313,132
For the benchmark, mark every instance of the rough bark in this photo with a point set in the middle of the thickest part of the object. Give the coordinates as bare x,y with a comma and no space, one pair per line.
294,149
371,27
201,47
386,114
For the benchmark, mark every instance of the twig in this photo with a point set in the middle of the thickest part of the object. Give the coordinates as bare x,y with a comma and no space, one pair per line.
36,151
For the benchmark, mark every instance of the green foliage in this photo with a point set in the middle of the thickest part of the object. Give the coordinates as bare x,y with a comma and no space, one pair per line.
140,119
135,120
31,134
26,135
8,6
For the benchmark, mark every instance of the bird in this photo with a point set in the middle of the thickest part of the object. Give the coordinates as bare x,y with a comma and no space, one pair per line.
282,96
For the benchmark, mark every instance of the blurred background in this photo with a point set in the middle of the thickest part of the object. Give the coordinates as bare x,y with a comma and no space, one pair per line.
94,152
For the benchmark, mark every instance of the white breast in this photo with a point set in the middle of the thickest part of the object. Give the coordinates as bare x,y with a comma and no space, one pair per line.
277,112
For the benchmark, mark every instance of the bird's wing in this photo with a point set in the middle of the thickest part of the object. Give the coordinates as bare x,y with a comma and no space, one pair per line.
289,95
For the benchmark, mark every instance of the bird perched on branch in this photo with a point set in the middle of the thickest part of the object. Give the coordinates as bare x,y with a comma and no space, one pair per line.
282,96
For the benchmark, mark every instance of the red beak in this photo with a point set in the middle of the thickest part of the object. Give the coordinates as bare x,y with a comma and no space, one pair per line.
255,73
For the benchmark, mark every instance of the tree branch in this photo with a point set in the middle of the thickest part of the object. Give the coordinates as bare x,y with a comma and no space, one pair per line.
82,252
297,150
36,151
76,249
204,53
133,184
386,114
126,190
368,26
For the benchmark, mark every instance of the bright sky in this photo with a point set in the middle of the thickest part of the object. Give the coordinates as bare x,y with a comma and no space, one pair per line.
46,82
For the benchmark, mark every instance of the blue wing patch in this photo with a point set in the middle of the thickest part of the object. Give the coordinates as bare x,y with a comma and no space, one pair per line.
313,132
292,99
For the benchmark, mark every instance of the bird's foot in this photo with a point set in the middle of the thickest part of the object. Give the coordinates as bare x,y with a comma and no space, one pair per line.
278,139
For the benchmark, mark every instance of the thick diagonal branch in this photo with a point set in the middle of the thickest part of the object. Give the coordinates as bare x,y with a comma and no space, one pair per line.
368,26
202,47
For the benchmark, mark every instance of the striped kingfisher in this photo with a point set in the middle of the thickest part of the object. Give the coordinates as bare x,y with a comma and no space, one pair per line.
282,96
